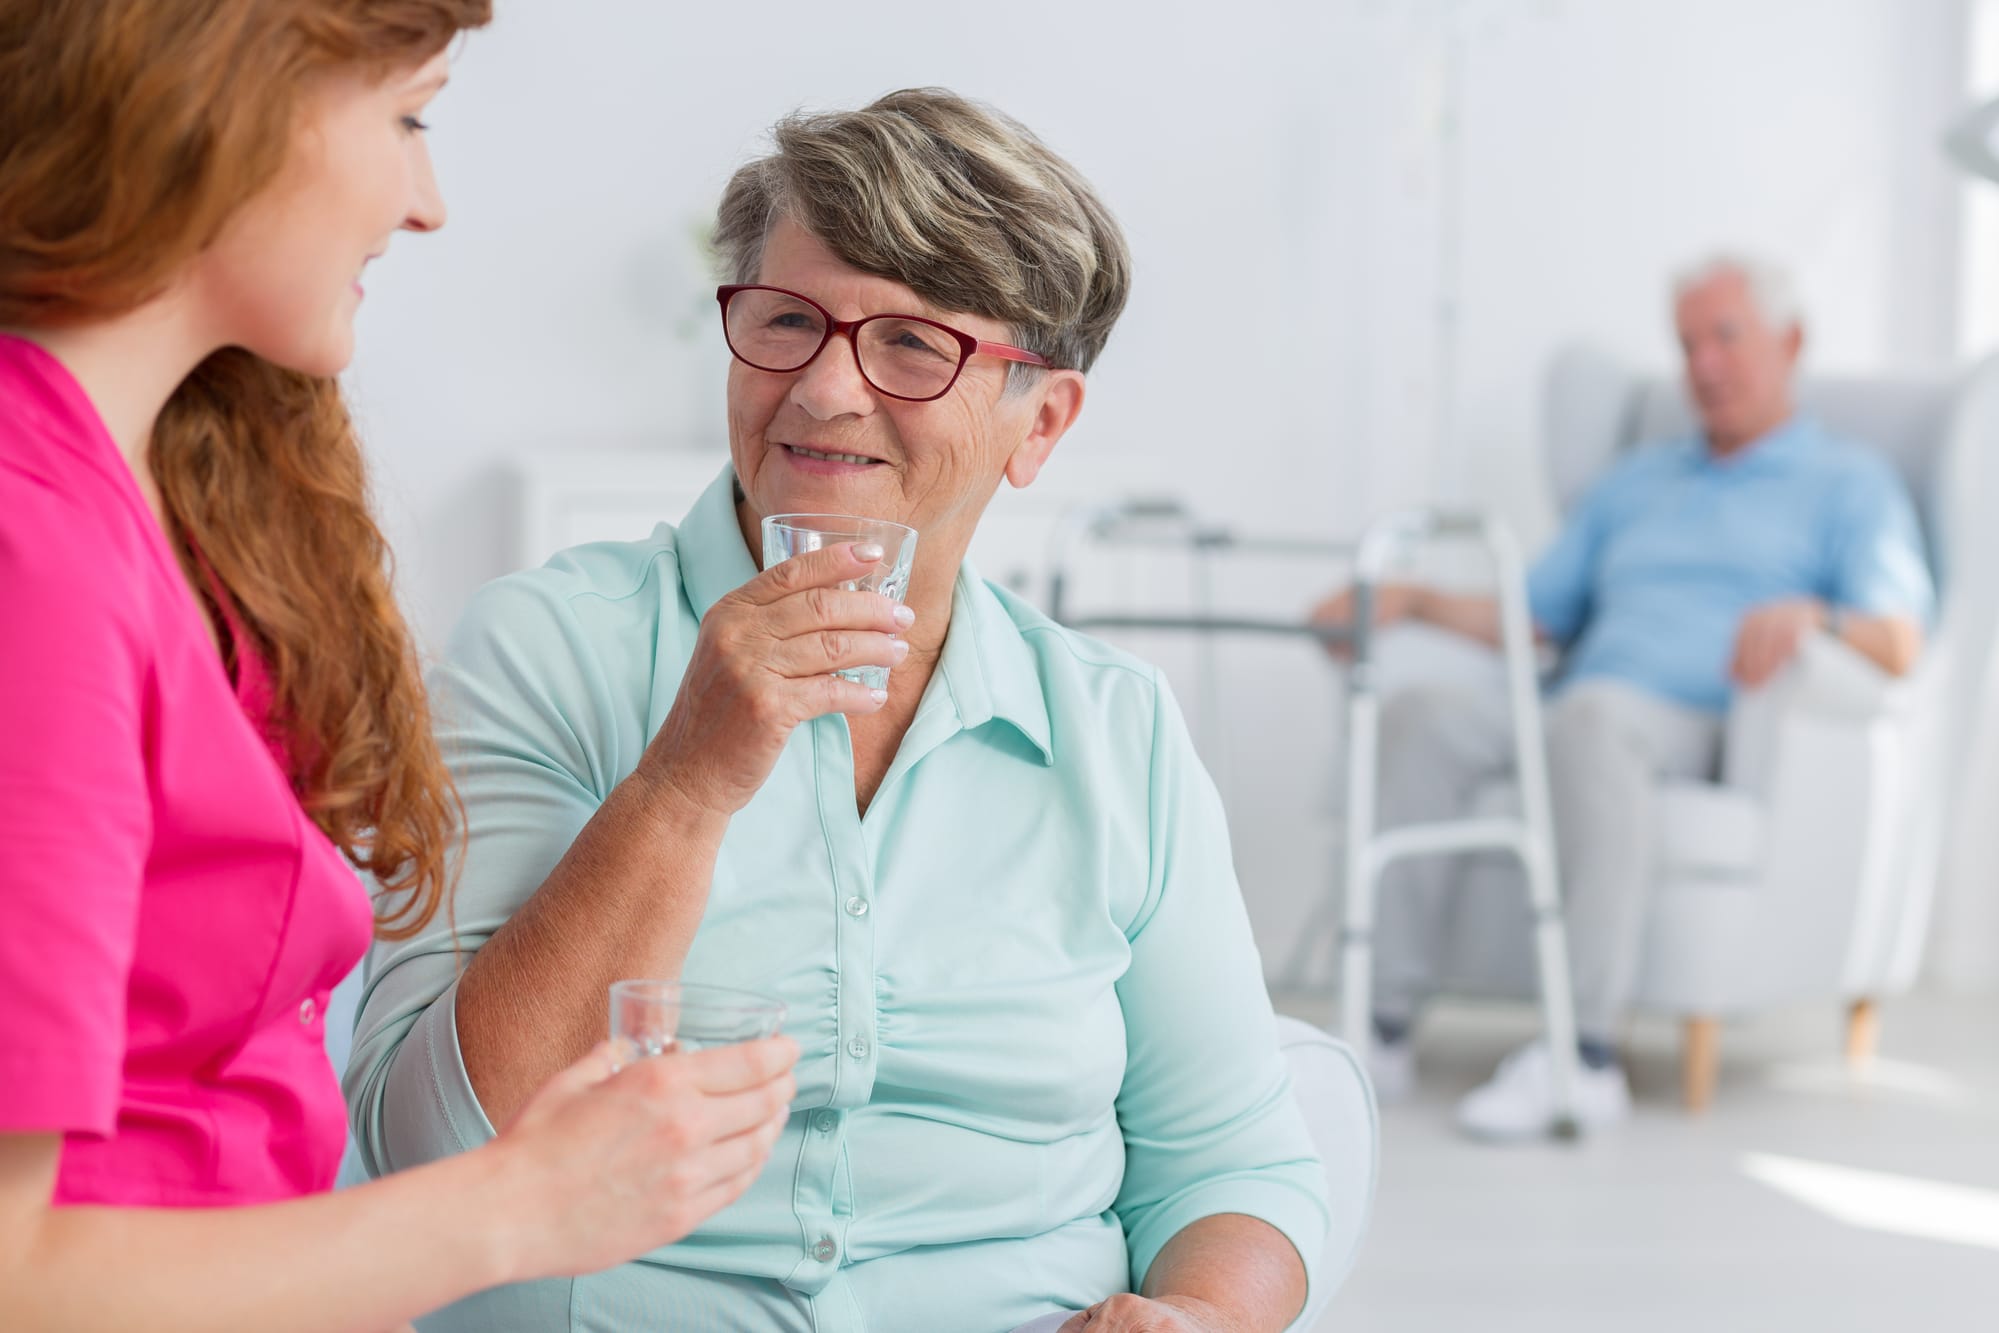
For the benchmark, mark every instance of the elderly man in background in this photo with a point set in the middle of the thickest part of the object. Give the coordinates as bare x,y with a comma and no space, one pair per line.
1695,567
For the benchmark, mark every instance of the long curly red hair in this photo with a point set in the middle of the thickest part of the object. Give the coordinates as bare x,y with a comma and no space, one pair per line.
129,134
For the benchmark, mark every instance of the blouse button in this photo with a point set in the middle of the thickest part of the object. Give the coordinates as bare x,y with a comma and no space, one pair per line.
823,1250
307,1011
858,1048
857,907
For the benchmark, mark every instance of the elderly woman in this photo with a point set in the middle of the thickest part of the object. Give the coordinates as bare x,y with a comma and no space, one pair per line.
1037,1066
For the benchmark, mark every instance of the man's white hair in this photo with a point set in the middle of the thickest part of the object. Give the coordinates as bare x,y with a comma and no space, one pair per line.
1769,285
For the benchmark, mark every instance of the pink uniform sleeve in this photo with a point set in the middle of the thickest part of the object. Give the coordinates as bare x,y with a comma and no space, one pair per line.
75,812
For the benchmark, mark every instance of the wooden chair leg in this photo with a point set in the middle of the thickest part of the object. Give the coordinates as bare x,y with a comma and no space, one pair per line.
1863,1032
1700,1062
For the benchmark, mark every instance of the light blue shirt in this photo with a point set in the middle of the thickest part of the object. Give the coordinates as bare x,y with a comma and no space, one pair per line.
1036,1042
1651,576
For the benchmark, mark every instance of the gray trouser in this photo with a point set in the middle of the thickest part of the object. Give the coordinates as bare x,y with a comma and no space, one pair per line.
1610,745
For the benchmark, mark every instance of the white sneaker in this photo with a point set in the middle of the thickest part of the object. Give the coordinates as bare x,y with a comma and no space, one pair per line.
1391,1067
1519,1100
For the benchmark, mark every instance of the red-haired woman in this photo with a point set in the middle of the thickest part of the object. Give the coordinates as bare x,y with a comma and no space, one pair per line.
209,708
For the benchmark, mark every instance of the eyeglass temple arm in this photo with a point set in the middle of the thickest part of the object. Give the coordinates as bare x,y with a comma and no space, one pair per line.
1008,353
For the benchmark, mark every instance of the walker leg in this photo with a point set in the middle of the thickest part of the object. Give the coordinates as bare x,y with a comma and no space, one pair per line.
1558,1011
1357,937
1537,852
1535,844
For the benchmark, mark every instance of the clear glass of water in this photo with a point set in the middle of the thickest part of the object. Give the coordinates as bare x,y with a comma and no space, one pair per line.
787,535
662,1016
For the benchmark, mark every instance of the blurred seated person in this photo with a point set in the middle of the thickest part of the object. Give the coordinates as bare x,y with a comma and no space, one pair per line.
1693,568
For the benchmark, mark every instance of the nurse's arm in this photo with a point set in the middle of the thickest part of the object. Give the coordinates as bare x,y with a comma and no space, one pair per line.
350,1262
603,1164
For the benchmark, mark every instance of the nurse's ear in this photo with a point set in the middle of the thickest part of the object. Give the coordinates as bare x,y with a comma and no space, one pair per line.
1051,407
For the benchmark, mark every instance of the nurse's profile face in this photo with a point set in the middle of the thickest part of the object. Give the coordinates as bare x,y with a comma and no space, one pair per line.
284,277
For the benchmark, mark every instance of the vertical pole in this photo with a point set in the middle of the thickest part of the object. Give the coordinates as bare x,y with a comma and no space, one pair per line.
1537,843
1357,936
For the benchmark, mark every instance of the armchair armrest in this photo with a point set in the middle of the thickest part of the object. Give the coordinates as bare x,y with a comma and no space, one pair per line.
1833,751
1828,683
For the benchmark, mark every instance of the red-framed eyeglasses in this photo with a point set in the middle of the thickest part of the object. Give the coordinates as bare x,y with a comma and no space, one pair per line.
904,356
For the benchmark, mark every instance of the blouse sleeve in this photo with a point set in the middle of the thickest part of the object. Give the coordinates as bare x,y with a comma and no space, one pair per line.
518,704
1210,1125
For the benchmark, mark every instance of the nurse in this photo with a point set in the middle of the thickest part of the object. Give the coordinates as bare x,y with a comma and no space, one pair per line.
210,712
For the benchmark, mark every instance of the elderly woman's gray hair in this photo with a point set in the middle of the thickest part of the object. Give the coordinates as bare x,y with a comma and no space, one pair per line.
963,205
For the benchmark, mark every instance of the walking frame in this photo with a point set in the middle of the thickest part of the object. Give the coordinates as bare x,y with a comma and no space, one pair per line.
1368,850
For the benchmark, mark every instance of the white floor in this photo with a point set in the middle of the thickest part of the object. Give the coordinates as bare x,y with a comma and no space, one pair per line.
1807,1199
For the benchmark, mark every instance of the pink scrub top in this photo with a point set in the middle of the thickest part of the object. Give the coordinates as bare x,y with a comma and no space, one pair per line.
171,922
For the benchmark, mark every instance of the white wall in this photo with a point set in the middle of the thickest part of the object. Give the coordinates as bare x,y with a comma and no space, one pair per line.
1966,955
1608,144
1307,186
580,144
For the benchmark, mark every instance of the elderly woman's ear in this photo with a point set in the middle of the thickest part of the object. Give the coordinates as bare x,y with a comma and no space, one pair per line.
1056,401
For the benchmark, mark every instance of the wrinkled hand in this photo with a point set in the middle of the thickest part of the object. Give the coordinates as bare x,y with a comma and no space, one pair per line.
1393,602
1769,637
1136,1314
606,1163
763,664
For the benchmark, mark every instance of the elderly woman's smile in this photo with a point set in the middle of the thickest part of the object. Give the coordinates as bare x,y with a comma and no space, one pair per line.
805,453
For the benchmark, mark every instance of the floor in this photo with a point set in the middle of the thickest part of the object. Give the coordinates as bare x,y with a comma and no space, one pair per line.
1807,1199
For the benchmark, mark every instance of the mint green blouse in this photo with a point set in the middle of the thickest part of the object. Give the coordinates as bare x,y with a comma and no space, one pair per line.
1036,1042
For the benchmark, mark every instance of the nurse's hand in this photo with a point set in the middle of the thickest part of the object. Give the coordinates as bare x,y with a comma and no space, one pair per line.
763,664
605,1163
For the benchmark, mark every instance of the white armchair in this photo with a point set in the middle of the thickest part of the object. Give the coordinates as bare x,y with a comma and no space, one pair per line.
1808,870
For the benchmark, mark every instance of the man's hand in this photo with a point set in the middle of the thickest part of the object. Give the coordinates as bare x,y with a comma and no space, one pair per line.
1393,602
1136,1314
1769,638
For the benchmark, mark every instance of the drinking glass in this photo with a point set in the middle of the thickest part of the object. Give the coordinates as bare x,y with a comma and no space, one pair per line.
662,1016
788,535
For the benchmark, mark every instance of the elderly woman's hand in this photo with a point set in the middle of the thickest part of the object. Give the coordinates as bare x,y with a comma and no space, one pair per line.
1136,1314
763,664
